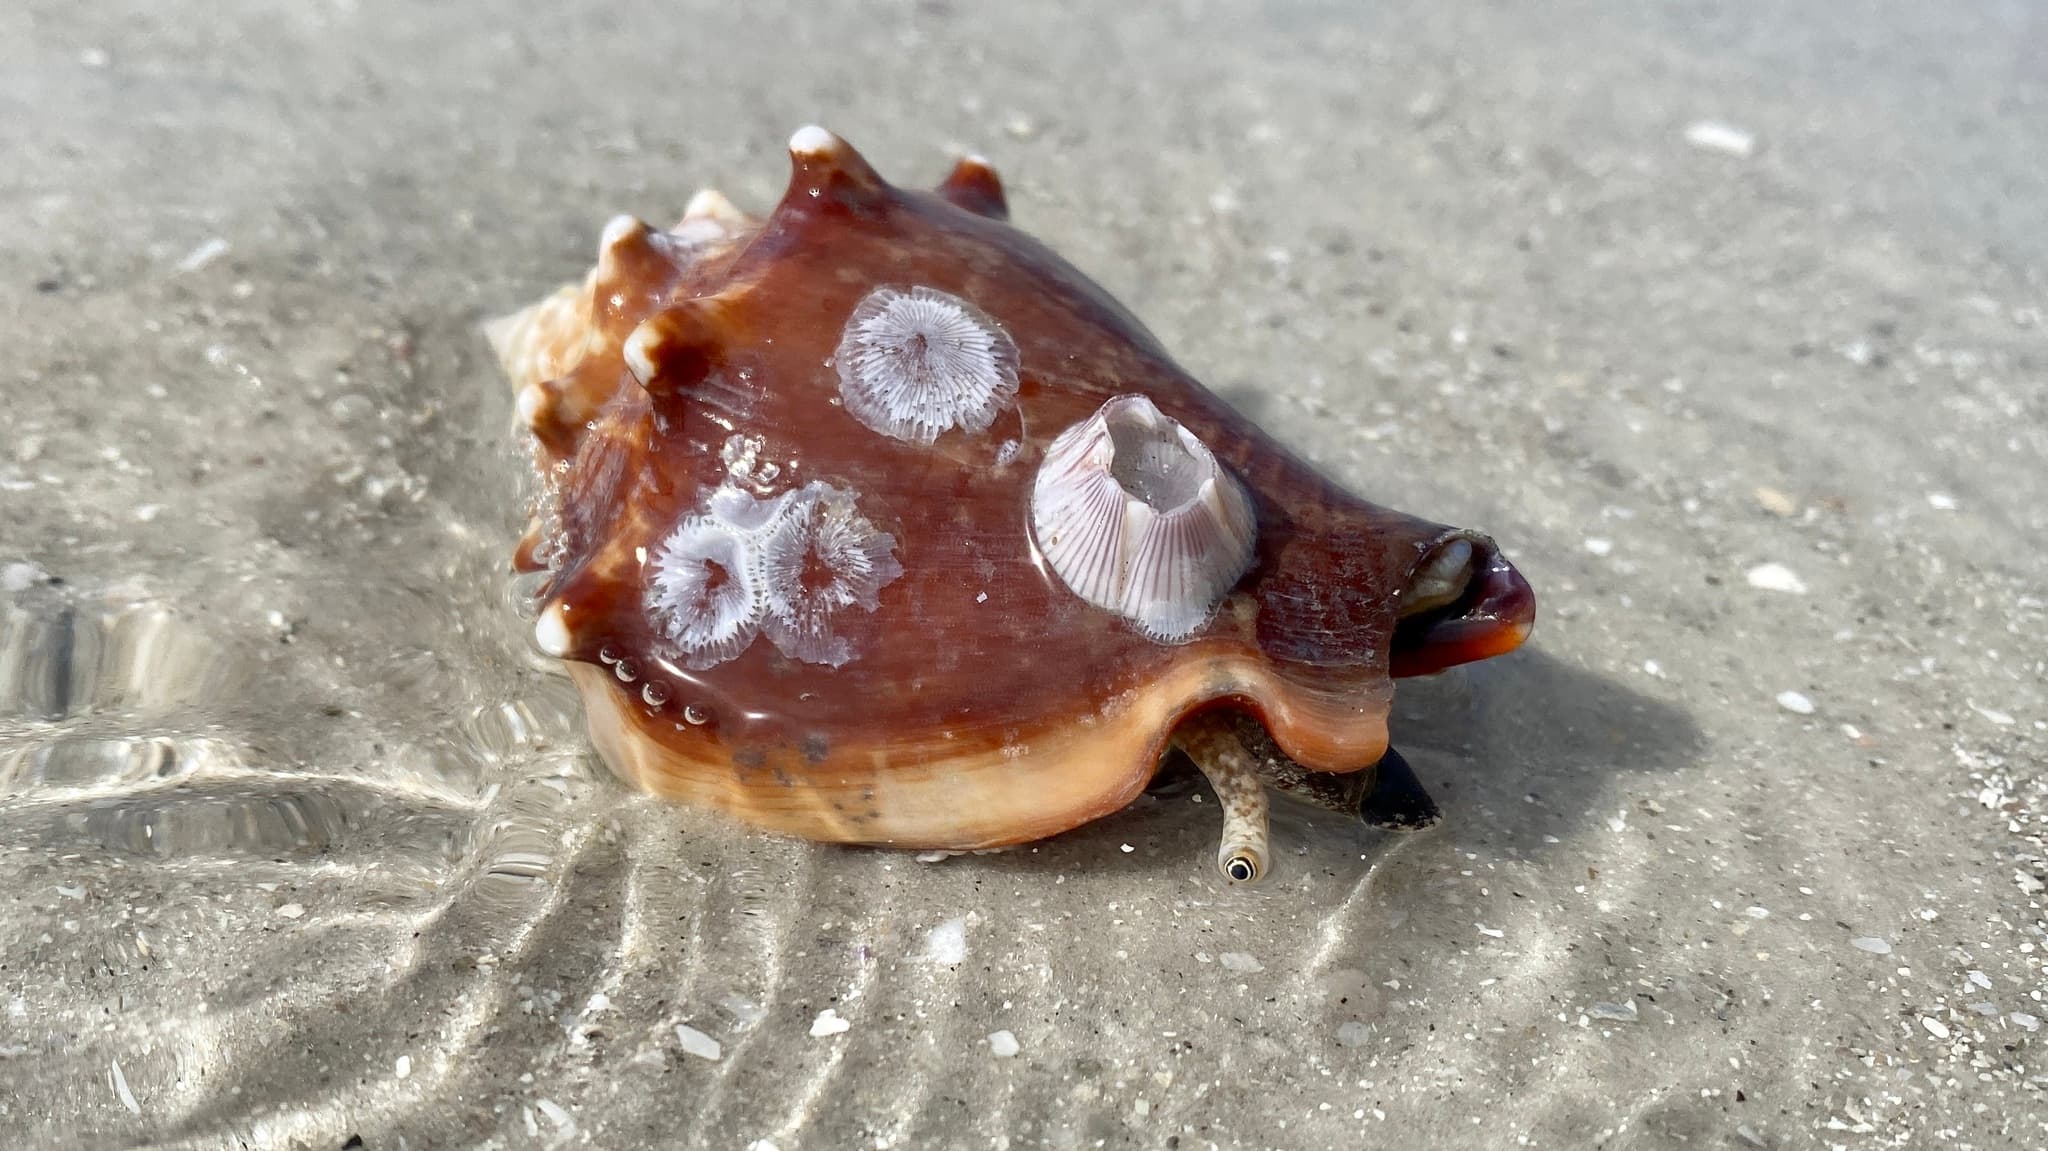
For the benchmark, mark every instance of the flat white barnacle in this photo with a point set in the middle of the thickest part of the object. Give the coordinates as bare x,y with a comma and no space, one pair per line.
704,596
1137,516
913,364
820,558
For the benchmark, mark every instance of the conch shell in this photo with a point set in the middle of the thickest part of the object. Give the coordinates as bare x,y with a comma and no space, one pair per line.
873,521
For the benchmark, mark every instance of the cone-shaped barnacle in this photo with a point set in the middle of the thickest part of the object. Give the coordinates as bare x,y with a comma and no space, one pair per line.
873,521
1136,516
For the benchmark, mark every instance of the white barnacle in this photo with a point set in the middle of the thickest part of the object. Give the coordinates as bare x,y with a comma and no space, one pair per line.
1137,516
819,558
787,566
704,595
913,364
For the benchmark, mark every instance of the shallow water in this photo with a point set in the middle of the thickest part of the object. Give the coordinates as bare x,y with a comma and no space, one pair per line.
300,842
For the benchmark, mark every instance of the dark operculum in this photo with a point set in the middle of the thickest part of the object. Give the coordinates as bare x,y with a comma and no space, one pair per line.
1463,602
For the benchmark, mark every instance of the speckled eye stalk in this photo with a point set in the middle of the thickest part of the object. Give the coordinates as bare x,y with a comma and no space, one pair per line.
913,364
1233,773
1136,516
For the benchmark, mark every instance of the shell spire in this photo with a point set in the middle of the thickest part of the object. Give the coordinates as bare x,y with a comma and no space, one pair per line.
974,186
826,169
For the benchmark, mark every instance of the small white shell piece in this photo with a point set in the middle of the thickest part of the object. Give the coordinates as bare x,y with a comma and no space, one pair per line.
913,364
1136,516
787,567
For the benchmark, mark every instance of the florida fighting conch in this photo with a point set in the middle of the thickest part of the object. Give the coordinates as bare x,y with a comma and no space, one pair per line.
874,521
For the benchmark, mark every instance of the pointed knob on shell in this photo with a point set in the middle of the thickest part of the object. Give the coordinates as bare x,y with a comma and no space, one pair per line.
556,410
552,632
631,252
543,339
679,346
826,169
711,204
974,186
709,221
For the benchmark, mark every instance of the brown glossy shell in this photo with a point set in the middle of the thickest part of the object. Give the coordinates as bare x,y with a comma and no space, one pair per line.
987,704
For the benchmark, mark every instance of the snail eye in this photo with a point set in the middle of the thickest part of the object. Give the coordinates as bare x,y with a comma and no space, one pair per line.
1241,870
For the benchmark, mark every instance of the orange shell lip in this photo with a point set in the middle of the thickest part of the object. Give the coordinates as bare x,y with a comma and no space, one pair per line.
1492,618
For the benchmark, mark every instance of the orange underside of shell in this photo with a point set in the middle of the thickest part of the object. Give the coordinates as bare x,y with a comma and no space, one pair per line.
937,793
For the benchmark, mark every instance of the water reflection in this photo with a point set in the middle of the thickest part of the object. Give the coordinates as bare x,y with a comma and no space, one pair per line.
57,660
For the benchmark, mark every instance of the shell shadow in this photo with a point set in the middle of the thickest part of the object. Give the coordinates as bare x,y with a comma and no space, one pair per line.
1518,749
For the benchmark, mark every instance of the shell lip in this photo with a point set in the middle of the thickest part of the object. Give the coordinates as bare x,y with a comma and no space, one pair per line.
1492,617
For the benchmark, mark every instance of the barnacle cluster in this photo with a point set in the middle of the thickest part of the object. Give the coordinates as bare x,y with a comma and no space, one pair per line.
785,568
